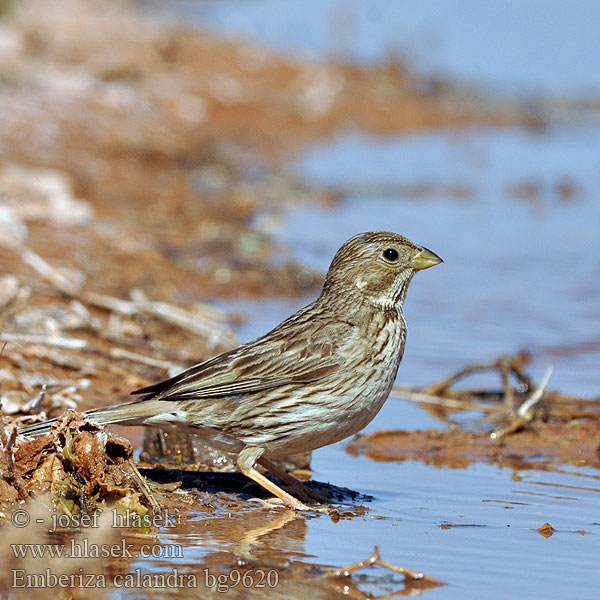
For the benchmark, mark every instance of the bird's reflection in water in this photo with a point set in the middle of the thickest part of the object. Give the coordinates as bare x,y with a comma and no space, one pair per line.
268,536
268,547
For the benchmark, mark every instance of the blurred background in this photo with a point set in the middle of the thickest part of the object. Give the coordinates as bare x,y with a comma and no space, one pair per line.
506,193
220,151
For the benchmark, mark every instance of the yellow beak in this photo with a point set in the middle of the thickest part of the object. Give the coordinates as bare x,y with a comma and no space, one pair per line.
424,260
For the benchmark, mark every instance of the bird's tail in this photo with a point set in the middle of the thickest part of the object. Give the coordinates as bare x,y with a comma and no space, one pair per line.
129,413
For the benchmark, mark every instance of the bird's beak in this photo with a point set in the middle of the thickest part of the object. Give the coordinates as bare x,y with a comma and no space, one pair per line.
424,260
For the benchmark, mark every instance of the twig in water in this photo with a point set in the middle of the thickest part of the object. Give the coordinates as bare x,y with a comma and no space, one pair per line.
504,364
440,387
524,409
375,559
408,393
527,410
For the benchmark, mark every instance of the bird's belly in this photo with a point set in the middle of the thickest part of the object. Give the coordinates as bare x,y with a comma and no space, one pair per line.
336,418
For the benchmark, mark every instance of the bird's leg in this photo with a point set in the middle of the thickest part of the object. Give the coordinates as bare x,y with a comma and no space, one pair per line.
297,486
246,461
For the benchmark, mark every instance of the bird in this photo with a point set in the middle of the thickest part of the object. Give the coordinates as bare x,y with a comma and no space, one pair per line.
317,378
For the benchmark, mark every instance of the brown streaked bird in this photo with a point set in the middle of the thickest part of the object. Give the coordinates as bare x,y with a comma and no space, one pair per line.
317,378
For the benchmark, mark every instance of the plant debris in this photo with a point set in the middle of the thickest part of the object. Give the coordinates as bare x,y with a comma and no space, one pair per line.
546,530
523,422
78,468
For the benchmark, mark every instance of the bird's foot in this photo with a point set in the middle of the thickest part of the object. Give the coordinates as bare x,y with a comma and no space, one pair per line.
287,499
295,486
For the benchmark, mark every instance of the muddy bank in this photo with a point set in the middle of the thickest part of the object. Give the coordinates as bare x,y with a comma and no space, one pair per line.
556,443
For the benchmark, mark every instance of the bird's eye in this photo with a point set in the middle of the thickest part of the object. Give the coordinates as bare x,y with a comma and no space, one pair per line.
391,255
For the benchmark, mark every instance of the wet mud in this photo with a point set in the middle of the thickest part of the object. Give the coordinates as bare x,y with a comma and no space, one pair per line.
554,443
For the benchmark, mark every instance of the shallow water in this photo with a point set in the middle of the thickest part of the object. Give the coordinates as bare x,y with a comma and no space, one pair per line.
512,47
516,217
493,542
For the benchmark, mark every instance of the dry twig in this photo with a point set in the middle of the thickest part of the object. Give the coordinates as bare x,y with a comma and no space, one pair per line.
34,406
143,487
145,360
11,476
201,322
8,442
46,340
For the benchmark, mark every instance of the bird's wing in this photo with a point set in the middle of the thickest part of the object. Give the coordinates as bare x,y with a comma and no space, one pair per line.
290,354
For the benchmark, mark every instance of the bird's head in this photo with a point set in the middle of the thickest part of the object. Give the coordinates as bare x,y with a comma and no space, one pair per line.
377,266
